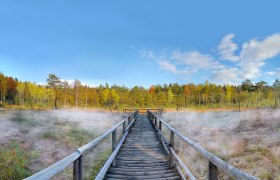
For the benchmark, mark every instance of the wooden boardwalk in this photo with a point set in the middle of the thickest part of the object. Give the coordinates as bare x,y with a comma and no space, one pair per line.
143,152
142,156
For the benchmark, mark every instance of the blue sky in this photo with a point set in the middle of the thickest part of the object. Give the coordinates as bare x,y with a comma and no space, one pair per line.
141,42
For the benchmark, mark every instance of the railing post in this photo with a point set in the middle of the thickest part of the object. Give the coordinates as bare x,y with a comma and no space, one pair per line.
171,144
77,169
114,143
133,122
129,121
156,121
213,172
124,127
159,126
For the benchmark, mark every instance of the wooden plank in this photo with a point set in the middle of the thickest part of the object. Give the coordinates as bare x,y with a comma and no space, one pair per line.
139,158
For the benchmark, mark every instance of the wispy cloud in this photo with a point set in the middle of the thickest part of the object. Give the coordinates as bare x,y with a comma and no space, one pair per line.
182,63
195,59
274,73
169,67
227,49
254,54
146,54
245,65
226,76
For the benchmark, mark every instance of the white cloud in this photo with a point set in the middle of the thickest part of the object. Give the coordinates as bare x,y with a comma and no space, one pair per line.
254,54
195,59
71,83
227,48
271,73
169,67
226,76
245,65
42,83
148,54
166,65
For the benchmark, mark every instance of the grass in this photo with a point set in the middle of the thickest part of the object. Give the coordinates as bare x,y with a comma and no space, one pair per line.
77,137
99,161
14,161
20,119
51,135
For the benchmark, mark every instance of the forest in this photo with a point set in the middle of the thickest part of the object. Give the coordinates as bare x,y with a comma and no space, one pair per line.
61,94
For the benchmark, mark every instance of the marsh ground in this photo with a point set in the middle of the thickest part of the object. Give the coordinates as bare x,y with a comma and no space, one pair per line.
249,140
40,138
32,140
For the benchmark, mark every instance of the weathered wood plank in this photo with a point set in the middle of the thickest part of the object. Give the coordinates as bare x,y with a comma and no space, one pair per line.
142,156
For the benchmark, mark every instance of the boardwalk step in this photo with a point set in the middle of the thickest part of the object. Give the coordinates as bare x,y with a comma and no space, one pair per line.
142,177
168,178
128,169
142,156
137,173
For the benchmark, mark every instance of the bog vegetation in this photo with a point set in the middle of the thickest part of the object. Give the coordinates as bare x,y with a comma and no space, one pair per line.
32,140
60,94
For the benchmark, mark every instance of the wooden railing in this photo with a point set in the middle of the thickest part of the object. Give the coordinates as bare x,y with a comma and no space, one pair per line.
77,157
214,163
142,110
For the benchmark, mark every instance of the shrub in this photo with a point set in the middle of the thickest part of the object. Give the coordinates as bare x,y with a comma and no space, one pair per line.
14,162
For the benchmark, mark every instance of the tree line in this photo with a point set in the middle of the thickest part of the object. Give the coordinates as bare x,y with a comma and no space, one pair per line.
61,94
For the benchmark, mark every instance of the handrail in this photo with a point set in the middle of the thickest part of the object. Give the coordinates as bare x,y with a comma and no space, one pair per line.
76,157
187,171
159,110
112,157
56,168
215,162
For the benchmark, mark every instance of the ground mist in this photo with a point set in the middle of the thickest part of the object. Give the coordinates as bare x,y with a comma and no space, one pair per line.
249,140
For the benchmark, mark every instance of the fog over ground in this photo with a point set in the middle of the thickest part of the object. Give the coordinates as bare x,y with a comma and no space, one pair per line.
52,135
249,140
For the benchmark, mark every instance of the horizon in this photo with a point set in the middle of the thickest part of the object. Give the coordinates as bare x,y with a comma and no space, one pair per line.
141,44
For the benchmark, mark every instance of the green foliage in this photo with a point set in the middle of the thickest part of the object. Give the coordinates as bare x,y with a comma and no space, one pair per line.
208,95
14,162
